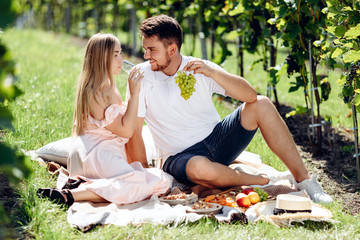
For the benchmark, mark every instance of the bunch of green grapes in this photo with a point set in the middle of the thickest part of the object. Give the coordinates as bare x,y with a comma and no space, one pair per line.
186,84
262,194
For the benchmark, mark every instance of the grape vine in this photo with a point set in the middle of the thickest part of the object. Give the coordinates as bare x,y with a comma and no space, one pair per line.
343,27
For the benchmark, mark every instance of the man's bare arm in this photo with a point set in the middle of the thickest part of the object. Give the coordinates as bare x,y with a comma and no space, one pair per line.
235,86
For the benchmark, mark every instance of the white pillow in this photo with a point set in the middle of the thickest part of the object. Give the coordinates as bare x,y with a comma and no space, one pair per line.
57,151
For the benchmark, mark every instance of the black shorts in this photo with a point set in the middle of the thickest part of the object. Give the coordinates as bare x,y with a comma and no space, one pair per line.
226,142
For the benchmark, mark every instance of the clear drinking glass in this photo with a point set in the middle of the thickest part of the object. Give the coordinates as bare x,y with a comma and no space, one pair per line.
157,158
127,66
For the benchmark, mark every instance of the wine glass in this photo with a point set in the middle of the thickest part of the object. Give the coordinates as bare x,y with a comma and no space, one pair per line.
157,158
127,66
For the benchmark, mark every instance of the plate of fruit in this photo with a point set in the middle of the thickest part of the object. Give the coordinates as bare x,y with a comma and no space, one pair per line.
224,199
180,198
201,207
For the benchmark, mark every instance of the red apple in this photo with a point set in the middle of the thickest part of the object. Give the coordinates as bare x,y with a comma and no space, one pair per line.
247,191
243,200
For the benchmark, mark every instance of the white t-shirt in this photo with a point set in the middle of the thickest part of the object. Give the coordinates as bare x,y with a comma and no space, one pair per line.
176,123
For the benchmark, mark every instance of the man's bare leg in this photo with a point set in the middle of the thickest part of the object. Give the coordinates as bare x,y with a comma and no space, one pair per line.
263,114
276,134
211,174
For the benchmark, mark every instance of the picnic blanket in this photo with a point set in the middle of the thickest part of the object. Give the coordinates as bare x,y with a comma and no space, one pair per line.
84,215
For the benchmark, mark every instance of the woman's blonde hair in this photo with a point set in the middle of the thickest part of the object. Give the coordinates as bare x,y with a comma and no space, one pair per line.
96,71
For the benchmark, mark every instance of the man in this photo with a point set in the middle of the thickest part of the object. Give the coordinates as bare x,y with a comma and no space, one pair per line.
196,146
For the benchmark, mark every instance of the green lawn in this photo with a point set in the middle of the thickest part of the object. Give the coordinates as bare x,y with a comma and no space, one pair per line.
49,65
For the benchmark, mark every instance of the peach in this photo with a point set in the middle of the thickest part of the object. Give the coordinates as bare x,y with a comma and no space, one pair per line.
254,197
247,191
243,200
209,198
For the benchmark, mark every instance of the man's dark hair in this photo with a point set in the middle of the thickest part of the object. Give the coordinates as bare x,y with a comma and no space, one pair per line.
166,28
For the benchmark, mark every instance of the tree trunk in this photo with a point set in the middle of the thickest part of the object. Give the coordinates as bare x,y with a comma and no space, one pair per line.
203,45
100,18
95,15
68,17
82,25
116,13
133,30
48,18
316,145
193,34
241,57
355,122
273,53
212,37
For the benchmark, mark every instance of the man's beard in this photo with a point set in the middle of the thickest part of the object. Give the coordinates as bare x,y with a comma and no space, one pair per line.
162,67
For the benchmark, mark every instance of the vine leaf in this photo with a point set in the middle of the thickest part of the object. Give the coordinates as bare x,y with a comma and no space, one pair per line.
341,81
271,77
353,32
337,31
293,30
352,56
356,100
233,35
336,53
297,110
220,30
347,8
237,10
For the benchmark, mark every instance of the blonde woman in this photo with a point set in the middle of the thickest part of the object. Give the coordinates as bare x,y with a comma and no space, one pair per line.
102,125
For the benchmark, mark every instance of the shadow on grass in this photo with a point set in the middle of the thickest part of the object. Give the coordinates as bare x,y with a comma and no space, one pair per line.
313,226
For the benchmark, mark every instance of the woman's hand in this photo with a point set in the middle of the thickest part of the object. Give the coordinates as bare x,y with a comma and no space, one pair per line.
135,78
199,66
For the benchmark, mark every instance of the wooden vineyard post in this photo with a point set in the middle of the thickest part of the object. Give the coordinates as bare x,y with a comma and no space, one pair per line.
356,155
316,124
312,125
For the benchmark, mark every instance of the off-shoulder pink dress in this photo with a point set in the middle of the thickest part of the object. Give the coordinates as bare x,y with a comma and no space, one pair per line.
98,157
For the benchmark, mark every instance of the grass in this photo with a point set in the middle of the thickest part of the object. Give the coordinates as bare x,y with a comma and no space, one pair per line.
50,64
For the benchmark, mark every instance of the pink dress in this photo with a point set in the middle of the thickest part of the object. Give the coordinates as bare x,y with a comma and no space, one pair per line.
98,157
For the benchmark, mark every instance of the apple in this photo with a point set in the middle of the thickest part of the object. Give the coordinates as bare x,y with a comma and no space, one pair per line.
243,200
254,197
247,191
